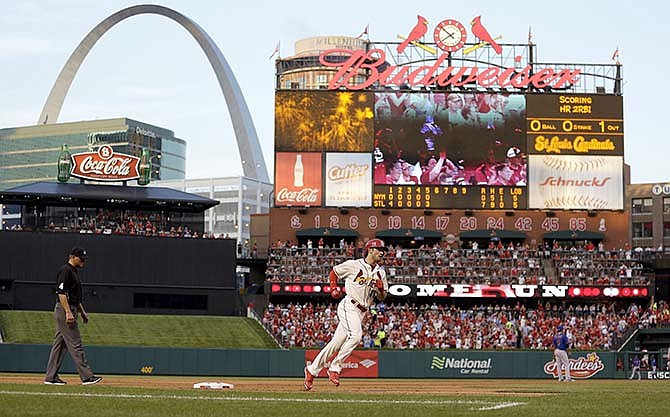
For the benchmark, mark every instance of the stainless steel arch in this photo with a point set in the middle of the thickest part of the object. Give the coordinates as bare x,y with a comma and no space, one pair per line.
253,162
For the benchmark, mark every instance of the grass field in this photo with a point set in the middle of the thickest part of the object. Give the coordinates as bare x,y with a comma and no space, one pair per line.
141,330
23,395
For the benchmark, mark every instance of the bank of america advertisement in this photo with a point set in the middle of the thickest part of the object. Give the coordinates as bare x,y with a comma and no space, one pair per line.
575,182
348,179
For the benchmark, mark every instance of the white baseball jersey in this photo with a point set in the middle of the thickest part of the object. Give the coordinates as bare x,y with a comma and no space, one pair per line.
360,279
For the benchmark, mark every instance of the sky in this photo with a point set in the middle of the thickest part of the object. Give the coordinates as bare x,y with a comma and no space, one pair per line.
148,68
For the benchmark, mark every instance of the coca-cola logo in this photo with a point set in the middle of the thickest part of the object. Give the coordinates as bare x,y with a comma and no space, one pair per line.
304,197
580,368
105,165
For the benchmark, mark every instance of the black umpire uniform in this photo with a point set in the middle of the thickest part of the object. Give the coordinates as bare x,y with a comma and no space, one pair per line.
68,307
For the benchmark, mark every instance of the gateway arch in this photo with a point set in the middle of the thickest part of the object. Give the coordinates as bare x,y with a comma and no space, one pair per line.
253,163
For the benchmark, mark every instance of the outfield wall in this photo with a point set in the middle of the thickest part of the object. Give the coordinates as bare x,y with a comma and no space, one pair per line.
123,274
364,363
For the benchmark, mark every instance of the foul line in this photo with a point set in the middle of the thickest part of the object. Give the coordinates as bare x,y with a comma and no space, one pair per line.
486,405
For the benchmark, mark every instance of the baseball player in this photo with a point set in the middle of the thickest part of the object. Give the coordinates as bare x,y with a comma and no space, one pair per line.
561,343
653,366
364,279
636,368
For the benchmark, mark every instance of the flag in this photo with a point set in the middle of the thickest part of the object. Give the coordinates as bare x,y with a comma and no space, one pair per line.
530,37
275,52
615,55
365,31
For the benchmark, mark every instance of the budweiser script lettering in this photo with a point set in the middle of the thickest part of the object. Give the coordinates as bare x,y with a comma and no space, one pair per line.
113,166
304,196
379,71
348,172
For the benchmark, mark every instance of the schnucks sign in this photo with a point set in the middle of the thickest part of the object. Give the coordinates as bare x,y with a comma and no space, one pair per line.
350,63
105,165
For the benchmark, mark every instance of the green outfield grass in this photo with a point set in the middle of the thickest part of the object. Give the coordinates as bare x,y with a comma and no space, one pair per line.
517,399
141,330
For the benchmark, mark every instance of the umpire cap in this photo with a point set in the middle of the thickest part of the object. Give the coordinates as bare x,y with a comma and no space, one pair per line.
79,252
375,243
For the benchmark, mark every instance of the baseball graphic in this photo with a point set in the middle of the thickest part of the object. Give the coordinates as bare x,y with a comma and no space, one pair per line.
575,182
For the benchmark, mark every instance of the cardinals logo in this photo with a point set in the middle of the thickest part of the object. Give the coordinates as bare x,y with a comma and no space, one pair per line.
483,35
415,34
421,27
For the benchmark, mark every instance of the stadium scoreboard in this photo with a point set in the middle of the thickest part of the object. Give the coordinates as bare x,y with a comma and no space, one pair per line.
448,150
444,196
575,124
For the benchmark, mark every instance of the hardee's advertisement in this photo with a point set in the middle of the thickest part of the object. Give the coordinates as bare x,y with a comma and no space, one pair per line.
583,367
298,179
360,364
575,182
348,179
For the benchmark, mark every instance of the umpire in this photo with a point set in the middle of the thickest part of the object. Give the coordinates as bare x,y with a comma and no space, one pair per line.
69,302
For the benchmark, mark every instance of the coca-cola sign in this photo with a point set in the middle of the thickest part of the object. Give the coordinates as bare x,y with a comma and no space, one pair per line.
304,197
105,165
298,178
580,368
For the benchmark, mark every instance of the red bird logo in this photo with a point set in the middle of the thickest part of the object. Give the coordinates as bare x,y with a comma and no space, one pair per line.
480,31
417,33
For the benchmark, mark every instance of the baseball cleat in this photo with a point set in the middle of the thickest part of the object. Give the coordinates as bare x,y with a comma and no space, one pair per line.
334,377
309,380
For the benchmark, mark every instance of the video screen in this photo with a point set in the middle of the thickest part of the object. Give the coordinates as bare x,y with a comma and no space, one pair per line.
321,121
450,139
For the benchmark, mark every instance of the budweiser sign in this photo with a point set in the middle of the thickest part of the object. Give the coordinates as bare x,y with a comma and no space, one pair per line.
304,197
381,73
580,368
105,165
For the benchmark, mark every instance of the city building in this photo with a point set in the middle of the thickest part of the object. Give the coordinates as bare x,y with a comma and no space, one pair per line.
30,153
304,71
650,215
239,198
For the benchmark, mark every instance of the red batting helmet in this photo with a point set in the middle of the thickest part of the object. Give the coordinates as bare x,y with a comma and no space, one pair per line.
375,243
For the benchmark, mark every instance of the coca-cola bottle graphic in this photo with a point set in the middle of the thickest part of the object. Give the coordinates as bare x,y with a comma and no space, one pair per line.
144,168
64,164
298,172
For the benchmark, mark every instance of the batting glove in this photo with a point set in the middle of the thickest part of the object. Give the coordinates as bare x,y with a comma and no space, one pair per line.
336,292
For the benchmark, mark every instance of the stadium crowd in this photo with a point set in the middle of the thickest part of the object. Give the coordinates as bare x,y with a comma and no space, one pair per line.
439,263
494,326
115,222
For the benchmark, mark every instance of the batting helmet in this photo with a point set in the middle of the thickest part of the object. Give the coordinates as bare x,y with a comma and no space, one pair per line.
513,152
375,243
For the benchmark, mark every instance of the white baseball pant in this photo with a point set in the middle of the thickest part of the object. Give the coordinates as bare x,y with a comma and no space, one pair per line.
347,336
